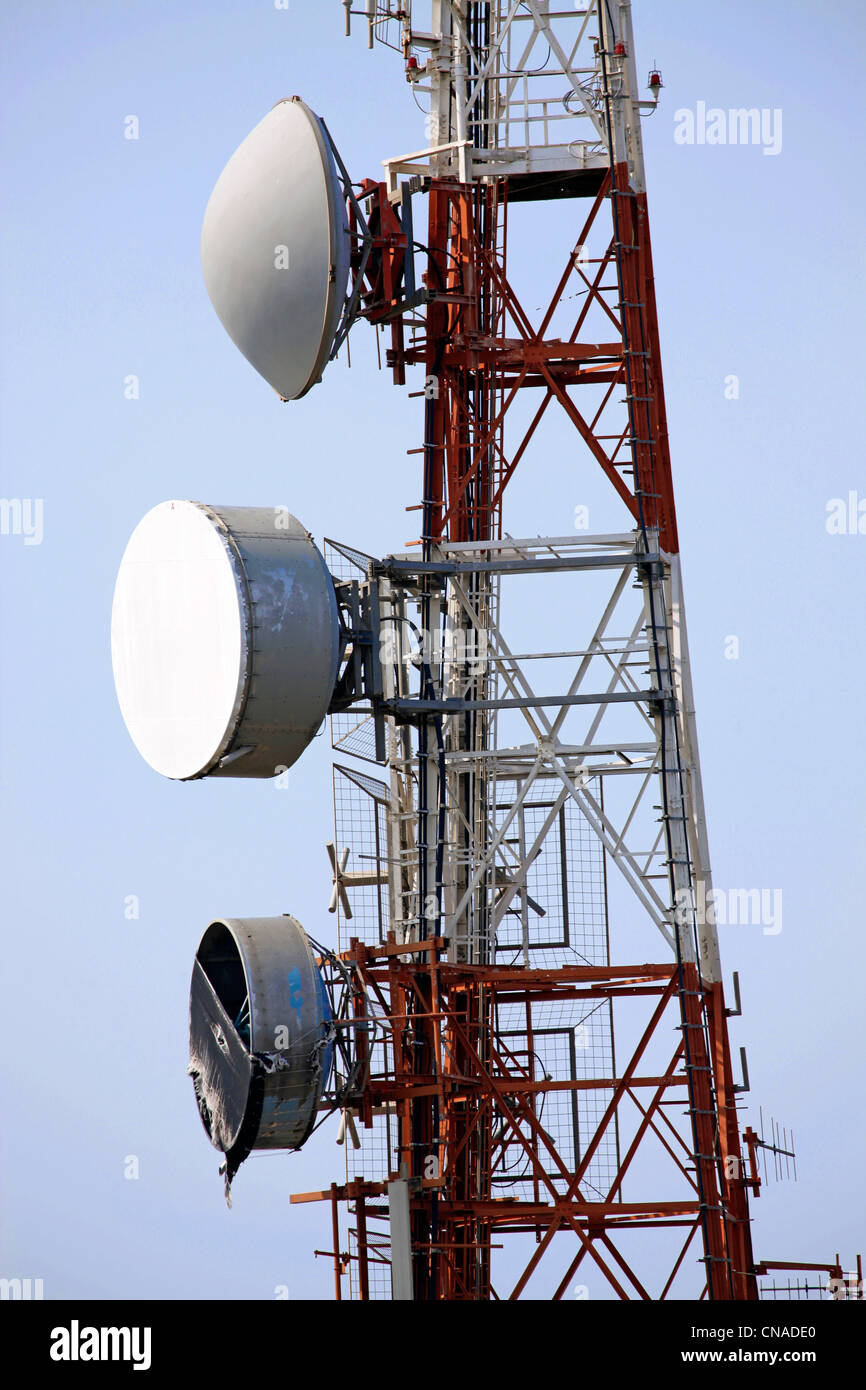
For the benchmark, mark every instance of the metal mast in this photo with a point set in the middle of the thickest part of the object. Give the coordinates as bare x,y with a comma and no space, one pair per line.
528,872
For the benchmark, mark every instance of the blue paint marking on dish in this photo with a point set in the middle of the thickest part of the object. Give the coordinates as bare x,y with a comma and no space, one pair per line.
296,993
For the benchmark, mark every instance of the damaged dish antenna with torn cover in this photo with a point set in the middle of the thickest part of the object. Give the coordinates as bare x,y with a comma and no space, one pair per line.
225,640
275,248
260,1036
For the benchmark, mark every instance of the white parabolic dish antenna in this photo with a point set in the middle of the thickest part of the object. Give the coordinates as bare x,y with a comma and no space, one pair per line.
225,640
275,248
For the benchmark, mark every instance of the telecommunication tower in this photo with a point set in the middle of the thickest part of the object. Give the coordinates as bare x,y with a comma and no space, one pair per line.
523,1024
528,105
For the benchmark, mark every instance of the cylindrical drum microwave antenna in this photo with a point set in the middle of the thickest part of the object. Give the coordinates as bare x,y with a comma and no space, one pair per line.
225,640
260,1035
275,248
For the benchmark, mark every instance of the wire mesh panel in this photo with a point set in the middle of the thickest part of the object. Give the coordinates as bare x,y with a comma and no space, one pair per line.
360,809
561,916
353,731
805,1290
377,1240
376,1160
373,1163
344,561
558,918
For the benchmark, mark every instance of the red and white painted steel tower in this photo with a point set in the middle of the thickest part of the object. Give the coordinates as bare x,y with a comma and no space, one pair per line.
504,967
544,1094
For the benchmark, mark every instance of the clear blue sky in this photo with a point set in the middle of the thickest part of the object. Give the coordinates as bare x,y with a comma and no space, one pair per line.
759,274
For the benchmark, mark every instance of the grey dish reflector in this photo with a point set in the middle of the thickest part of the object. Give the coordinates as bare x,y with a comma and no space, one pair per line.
275,248
260,1036
225,640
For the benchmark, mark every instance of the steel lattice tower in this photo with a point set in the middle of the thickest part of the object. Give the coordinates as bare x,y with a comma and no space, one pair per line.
498,1125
